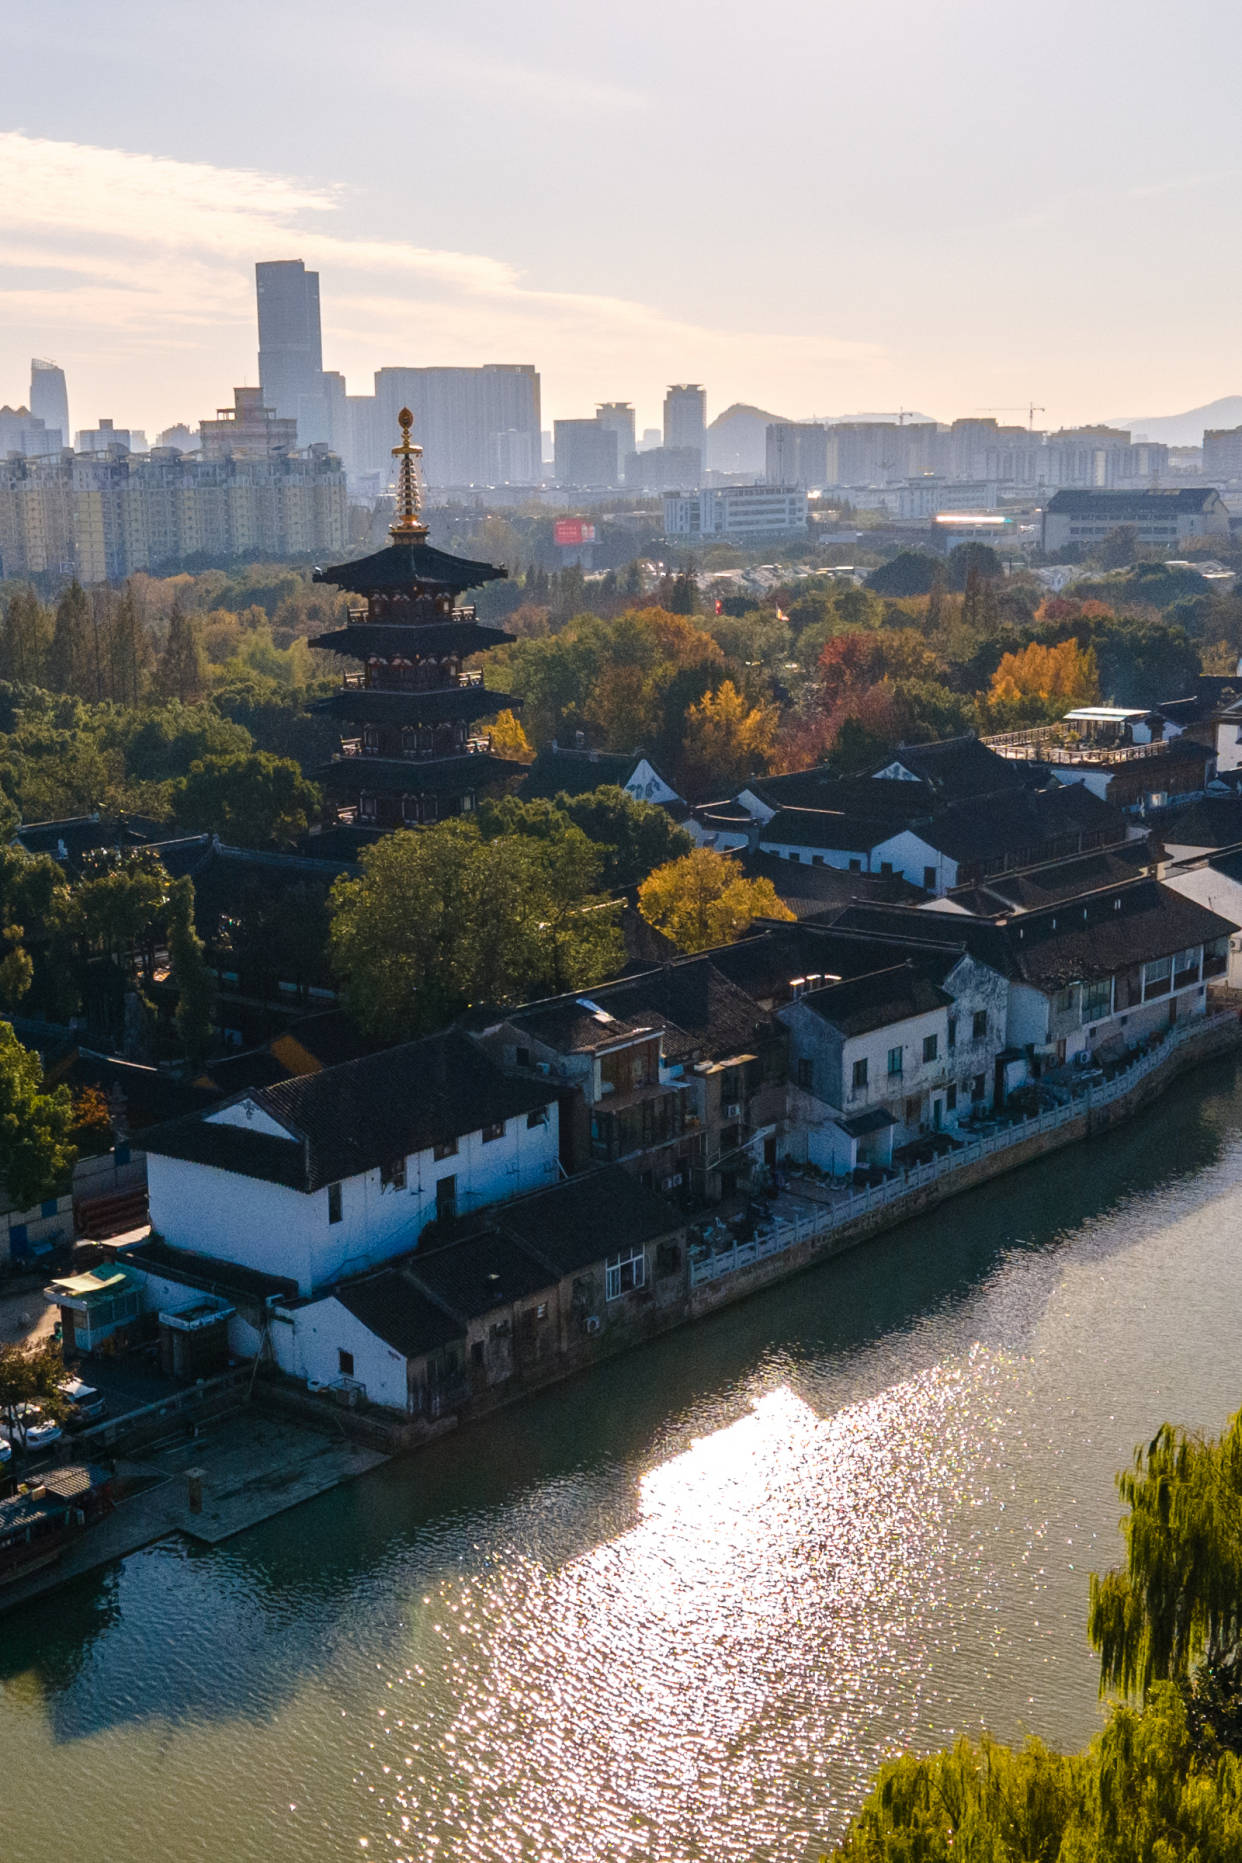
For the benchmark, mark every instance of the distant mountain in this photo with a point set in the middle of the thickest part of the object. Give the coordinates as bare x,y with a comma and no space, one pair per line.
1185,429
737,439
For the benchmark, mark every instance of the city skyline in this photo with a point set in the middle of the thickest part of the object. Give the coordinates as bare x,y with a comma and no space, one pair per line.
955,215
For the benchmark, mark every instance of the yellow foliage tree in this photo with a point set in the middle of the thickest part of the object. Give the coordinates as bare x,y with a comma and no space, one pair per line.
727,739
1062,676
509,740
702,900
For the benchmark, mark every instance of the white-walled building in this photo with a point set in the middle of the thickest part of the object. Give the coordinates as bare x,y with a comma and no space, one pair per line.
738,511
319,1177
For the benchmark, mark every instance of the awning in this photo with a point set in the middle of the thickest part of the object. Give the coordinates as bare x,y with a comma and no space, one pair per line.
863,1124
79,1290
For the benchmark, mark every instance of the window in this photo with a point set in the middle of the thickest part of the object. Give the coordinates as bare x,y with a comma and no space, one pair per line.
392,1174
446,1198
1097,999
860,1074
856,866
334,1203
978,1087
521,1057
624,1273
538,1118
806,1073
446,1149
1156,977
929,879
950,1099
931,1047
345,1363
979,1025
886,866
895,1057
493,1132
952,1033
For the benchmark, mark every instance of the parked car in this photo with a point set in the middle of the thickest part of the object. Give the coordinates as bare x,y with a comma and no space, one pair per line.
87,1405
40,1431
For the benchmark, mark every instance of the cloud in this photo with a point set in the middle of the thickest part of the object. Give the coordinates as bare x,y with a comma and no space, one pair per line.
123,244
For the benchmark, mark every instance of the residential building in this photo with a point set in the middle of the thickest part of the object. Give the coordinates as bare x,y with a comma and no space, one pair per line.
23,432
49,400
585,453
618,417
1215,882
415,758
103,517
685,418
797,454
472,422
103,438
1222,454
576,772
1161,520
663,469
326,1174
1136,760
738,511
247,430
291,347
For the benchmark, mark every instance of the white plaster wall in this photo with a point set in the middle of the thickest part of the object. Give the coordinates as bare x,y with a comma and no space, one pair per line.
307,1342
647,785
287,1232
250,1118
1028,1016
909,854
162,1295
813,856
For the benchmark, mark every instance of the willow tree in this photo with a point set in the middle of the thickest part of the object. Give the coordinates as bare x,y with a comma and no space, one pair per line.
1177,1600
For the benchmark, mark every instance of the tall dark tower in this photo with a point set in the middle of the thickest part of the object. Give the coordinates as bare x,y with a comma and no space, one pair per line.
415,758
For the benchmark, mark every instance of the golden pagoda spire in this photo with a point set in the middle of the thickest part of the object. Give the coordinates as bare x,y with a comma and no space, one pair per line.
409,526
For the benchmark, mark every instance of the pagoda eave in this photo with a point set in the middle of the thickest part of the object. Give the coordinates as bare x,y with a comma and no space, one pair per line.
414,776
412,640
362,706
408,563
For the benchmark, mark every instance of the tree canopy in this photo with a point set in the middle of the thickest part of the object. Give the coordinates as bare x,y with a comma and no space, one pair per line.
703,900
443,918
251,798
36,1152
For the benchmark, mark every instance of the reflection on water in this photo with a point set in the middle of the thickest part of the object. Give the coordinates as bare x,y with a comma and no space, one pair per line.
679,1609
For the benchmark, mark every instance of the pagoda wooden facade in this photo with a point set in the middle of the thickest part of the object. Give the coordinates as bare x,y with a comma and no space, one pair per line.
416,755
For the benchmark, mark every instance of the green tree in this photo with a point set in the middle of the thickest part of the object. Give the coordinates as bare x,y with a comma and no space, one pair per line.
181,672
633,837
30,1375
910,572
703,900
128,652
25,638
70,663
444,918
253,799
194,983
36,1154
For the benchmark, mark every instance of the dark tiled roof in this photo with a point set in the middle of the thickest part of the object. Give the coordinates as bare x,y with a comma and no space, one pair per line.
1065,879
911,928
1020,825
415,775
472,1276
867,796
1118,506
794,827
567,1024
204,1271
396,1311
575,773
956,768
588,1217
410,708
349,1119
811,890
1095,938
874,1001
1215,821
695,999
403,565
383,640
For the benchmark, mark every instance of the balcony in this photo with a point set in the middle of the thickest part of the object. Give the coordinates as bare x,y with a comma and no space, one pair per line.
407,614
396,683
471,747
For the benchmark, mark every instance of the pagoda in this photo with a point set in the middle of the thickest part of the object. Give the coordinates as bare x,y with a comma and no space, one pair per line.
415,755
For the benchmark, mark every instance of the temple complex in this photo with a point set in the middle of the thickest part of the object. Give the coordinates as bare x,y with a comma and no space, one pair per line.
415,755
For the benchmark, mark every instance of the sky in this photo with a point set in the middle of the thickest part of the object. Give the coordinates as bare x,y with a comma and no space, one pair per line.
821,207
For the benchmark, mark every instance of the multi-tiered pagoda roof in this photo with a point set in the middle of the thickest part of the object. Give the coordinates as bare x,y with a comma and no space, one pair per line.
414,757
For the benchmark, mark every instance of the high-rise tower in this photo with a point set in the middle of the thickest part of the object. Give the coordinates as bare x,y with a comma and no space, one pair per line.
415,758
685,417
49,401
291,346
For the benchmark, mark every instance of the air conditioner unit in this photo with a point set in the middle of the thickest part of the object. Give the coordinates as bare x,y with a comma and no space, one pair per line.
671,1183
732,1109
592,1323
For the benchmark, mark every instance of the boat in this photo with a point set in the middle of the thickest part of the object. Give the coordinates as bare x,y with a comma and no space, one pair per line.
43,1518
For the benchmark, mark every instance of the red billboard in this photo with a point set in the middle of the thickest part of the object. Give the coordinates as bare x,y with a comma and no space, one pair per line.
572,532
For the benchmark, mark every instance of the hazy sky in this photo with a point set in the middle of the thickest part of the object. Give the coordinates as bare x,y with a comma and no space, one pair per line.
820,206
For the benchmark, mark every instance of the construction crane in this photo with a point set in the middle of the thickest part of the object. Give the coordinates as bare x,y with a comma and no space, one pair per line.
1030,409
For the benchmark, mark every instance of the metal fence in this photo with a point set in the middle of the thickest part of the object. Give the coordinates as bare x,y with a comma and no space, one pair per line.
711,1264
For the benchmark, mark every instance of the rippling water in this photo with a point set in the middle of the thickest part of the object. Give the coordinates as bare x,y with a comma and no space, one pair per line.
680,1608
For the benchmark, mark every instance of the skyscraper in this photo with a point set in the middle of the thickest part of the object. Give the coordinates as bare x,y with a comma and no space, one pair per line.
49,401
685,417
291,346
479,426
618,416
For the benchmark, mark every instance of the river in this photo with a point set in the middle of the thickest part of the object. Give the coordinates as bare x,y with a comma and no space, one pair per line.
679,1608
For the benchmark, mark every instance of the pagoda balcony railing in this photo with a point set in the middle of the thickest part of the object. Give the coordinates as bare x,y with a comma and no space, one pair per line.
472,747
406,614
357,682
